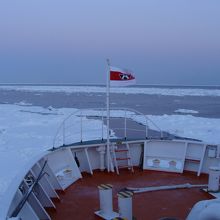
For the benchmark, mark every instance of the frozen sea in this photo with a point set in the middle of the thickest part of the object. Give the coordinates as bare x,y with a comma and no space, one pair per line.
150,100
31,114
173,108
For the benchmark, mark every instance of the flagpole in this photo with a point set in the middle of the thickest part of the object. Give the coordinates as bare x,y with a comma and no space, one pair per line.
108,114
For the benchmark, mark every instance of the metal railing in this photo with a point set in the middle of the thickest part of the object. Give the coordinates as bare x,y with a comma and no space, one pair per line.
73,127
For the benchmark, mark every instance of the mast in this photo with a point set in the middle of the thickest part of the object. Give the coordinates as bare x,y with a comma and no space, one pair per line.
108,114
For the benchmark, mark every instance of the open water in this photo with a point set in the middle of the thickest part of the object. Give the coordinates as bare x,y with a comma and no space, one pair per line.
207,106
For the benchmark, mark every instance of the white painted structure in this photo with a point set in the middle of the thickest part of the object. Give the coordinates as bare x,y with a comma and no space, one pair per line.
125,205
106,202
214,174
59,163
205,210
63,170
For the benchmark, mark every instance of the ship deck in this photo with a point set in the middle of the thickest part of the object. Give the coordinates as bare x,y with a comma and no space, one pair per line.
81,199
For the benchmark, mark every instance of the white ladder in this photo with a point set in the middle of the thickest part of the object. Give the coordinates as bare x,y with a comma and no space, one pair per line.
121,154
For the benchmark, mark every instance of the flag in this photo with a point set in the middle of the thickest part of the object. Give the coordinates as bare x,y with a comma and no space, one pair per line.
120,77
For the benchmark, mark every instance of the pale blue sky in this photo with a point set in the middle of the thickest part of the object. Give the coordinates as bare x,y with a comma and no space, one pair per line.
163,42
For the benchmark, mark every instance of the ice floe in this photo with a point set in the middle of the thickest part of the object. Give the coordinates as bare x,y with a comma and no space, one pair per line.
186,111
123,90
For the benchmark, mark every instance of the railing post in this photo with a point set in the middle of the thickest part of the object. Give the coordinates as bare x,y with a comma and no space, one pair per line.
81,126
61,137
102,125
146,134
125,125
63,133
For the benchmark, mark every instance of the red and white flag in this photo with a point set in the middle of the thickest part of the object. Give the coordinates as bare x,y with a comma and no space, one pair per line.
120,77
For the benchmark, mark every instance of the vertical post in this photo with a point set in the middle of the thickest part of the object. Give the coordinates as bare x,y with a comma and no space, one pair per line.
105,195
81,126
146,134
63,133
125,125
101,151
213,184
108,114
102,125
125,204
106,202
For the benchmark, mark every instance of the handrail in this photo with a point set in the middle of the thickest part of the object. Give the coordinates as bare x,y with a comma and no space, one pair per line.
129,113
131,110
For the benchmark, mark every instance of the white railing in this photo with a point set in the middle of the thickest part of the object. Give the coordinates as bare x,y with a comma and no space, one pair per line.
73,127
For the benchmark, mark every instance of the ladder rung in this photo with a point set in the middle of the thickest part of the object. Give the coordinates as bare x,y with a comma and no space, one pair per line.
126,158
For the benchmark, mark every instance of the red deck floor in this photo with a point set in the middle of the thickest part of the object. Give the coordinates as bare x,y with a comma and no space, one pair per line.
81,200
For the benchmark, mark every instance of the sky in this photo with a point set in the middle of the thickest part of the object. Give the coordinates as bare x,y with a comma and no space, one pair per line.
162,42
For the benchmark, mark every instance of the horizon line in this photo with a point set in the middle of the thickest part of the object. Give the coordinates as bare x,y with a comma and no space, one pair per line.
98,84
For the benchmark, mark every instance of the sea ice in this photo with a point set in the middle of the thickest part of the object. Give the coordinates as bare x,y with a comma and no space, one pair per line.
186,111
204,129
123,90
27,131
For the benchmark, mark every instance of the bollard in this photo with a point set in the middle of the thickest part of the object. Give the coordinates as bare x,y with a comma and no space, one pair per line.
214,173
125,204
106,205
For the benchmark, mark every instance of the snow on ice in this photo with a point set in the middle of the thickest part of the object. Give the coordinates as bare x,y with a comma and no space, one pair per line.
186,111
130,90
205,129
27,131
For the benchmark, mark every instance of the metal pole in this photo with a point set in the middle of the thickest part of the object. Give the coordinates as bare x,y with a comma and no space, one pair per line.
108,114
81,126
102,125
146,129
63,133
125,125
